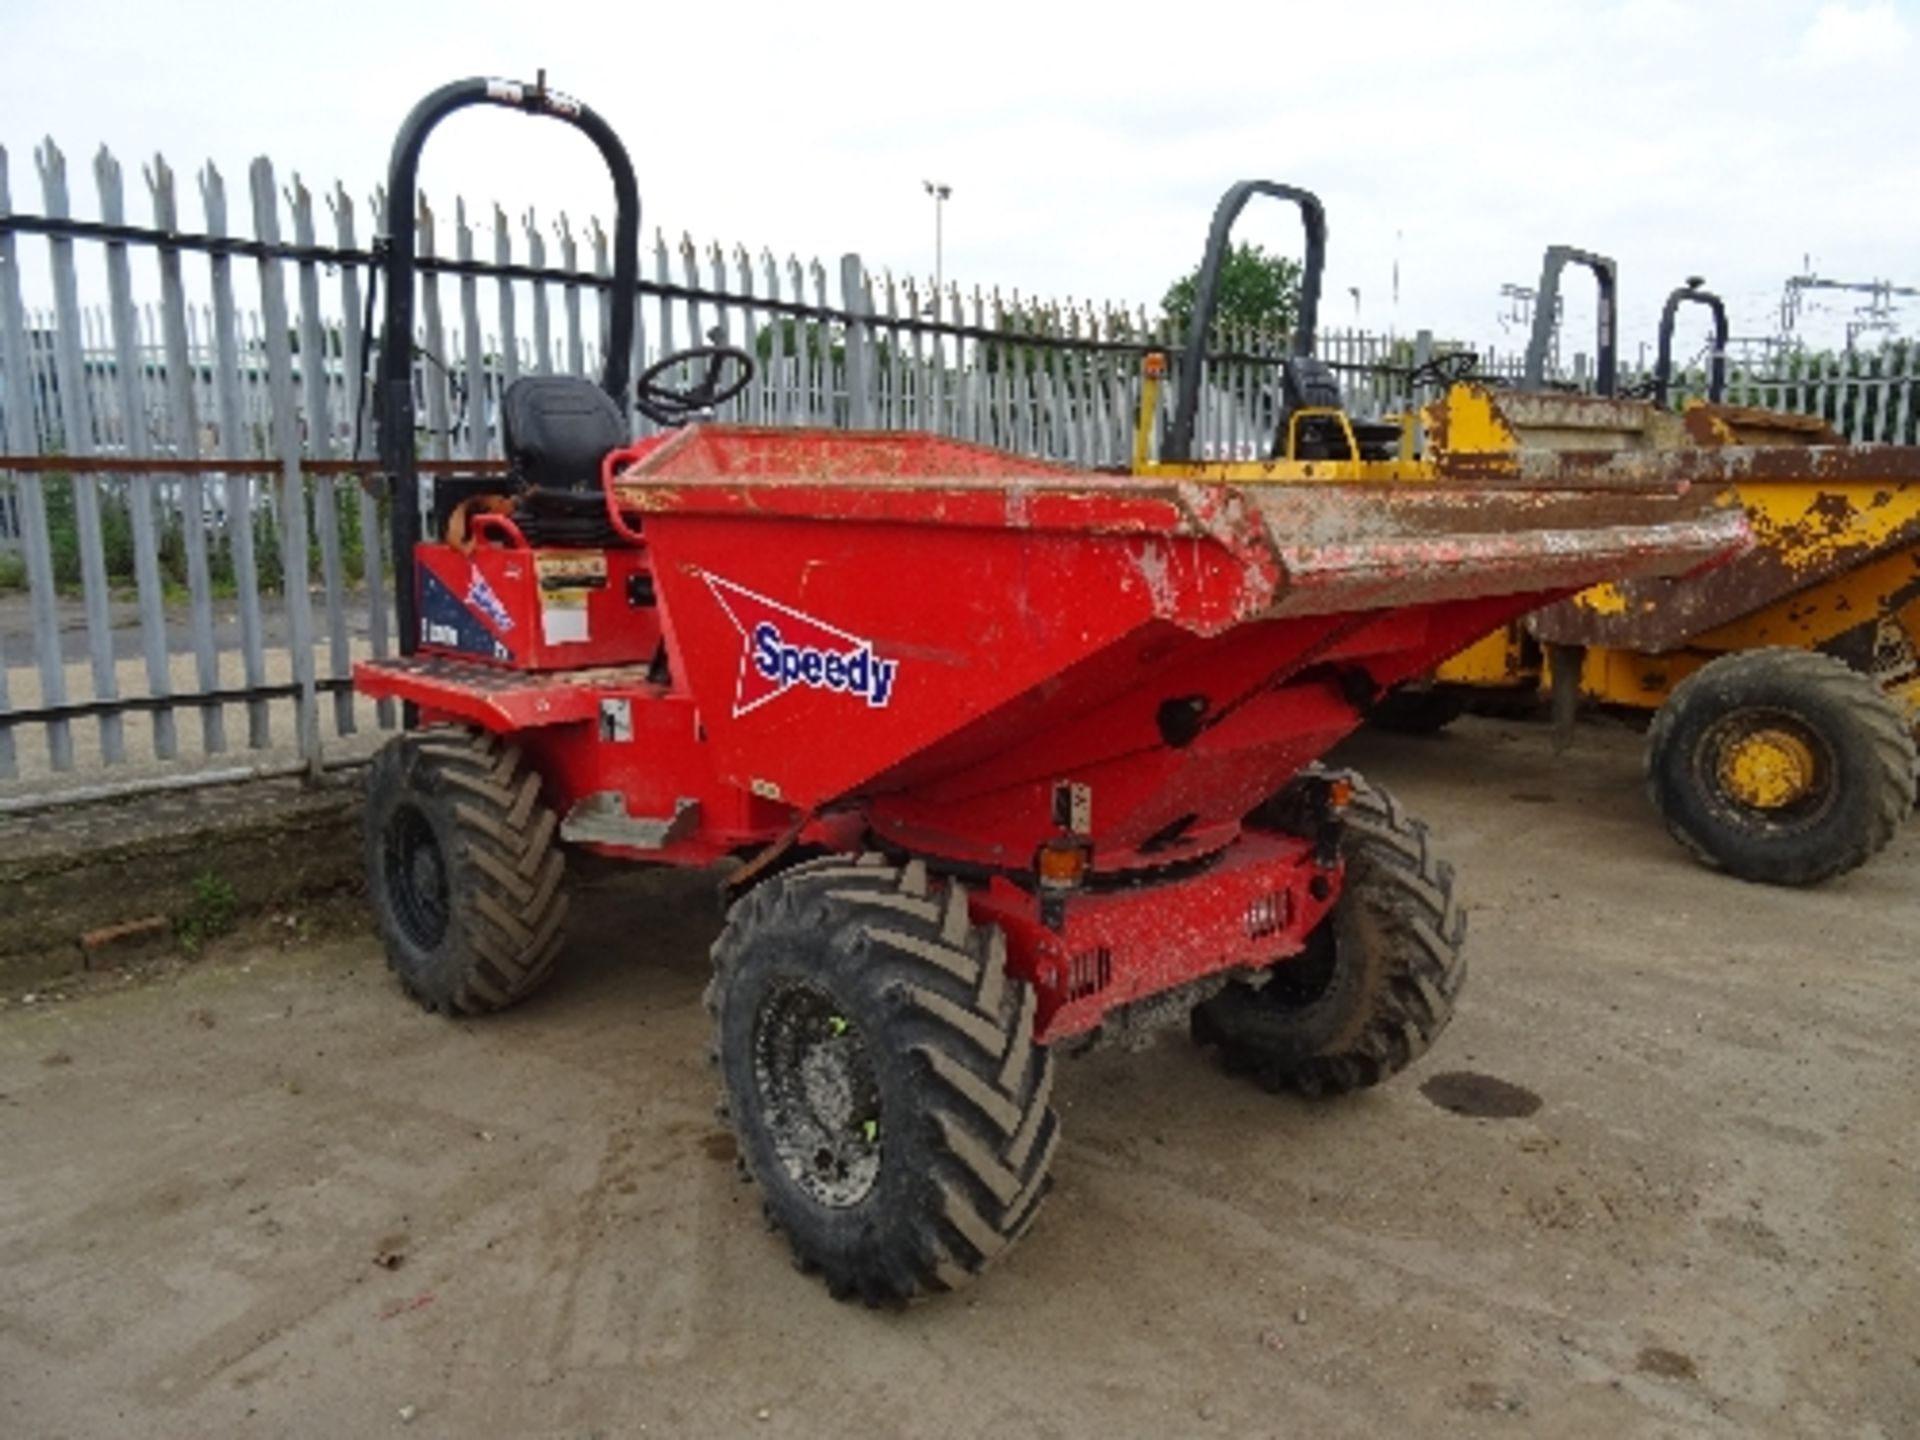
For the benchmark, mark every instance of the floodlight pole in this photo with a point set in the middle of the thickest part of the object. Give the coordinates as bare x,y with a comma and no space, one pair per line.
940,193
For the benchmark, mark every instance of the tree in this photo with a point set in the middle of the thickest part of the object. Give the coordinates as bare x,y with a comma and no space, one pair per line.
1257,291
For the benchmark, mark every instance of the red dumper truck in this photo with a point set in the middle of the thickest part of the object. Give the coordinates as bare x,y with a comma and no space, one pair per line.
1012,758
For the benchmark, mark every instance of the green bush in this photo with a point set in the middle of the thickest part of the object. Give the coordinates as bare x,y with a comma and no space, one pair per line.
173,554
116,533
266,551
117,544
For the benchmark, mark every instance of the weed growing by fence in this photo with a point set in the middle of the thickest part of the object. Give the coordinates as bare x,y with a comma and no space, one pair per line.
209,912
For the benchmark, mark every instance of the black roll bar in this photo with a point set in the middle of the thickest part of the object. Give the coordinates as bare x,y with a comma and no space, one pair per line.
1178,444
1663,363
1546,306
393,393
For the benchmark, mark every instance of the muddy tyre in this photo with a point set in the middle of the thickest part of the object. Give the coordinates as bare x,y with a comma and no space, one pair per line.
464,868
1417,711
879,1072
1377,981
1786,767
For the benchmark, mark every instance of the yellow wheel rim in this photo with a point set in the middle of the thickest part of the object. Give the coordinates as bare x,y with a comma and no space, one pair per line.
1768,769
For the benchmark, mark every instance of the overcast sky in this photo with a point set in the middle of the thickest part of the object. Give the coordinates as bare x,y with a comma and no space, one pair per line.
1085,145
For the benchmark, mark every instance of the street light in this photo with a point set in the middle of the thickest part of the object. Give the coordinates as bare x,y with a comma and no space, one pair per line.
940,193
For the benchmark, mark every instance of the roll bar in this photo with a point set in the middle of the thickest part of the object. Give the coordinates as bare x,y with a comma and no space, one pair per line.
1546,305
1692,293
1178,444
393,393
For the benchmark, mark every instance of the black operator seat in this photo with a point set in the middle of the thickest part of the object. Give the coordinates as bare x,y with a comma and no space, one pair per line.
557,430
1308,384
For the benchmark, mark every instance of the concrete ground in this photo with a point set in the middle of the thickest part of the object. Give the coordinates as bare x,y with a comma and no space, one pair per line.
262,1195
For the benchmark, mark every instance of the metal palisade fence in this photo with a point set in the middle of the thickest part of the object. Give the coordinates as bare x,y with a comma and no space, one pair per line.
191,540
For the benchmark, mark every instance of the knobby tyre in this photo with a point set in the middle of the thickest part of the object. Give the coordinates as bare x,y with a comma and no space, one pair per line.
465,869
879,1071
1378,979
1785,767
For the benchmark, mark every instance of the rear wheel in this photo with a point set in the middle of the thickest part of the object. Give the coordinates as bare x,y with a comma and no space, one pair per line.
1377,981
1781,766
879,1071
464,869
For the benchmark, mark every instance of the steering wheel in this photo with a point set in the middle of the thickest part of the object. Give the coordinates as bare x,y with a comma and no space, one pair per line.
676,404
1447,369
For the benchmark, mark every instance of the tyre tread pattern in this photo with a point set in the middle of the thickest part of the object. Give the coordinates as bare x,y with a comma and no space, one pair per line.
1391,866
513,904
1890,745
984,1087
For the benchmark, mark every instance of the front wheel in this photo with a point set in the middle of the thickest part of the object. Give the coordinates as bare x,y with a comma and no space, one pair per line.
879,1071
1377,981
1786,767
464,869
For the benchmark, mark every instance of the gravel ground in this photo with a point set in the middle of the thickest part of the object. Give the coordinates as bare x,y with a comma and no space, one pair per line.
261,1195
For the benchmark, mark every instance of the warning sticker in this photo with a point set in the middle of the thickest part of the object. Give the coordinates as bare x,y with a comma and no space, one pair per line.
565,583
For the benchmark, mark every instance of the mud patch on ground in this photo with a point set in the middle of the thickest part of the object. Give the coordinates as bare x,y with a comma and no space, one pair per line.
1751,1237
1666,1364
1483,1097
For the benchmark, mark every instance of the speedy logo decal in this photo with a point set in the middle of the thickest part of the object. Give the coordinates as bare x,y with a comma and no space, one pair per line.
446,624
784,648
481,597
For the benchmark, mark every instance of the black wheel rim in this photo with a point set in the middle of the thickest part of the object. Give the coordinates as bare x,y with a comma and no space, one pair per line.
819,1094
416,876
1718,761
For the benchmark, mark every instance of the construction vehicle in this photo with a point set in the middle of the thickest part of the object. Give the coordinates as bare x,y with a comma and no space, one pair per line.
1011,758
1784,688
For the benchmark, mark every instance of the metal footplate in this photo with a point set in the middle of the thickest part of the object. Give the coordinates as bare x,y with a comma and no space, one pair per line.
602,819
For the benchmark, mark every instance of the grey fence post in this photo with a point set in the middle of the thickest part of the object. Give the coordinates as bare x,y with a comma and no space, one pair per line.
183,432
314,341
235,443
542,321
1422,353
860,367
19,439
509,330
76,414
135,440
473,350
277,321
373,529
